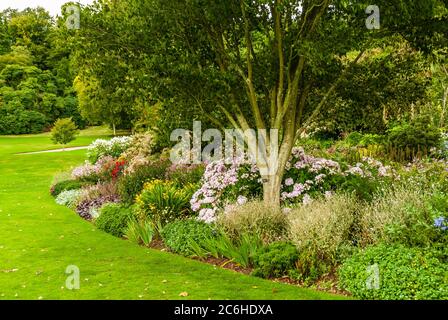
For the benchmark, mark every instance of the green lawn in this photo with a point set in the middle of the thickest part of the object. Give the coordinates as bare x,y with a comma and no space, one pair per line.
39,239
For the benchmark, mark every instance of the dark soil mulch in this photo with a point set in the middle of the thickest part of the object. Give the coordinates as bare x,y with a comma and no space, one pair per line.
158,244
226,264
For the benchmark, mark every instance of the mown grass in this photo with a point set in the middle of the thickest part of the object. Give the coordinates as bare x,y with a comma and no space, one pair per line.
39,239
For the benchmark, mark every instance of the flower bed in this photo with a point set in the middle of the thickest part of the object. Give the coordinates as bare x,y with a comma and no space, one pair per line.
332,211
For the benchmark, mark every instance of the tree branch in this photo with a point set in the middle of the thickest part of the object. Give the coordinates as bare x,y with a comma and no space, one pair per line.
327,95
250,73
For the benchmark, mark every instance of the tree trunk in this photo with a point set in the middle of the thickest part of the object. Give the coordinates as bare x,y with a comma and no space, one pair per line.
272,182
271,190
115,131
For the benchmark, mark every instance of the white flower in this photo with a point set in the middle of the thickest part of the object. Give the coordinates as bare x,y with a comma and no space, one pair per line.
241,200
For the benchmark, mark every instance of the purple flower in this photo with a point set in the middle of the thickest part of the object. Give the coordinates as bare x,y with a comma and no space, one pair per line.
441,223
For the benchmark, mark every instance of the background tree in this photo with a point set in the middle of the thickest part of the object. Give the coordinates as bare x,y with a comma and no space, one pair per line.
36,81
64,131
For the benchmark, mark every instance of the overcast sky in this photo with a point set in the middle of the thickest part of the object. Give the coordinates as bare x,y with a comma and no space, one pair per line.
53,6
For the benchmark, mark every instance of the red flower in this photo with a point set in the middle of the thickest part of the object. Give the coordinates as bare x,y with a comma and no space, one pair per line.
118,169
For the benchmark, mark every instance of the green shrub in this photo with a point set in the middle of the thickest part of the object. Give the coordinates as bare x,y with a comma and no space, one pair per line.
403,274
67,185
363,188
419,133
255,217
179,235
64,131
354,138
114,219
275,260
130,185
21,121
140,232
162,202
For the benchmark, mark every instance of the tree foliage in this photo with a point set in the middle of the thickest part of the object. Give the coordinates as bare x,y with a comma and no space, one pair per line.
35,77
264,64
64,131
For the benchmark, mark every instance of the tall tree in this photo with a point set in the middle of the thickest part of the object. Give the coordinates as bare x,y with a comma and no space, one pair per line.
262,64
258,62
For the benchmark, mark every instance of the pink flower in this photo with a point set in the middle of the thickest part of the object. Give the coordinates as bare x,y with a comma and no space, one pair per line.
307,199
241,200
207,215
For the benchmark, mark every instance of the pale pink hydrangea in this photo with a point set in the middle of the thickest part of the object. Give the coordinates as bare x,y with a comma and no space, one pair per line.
207,215
241,200
307,199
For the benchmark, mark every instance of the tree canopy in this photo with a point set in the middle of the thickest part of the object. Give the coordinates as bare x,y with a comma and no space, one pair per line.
35,76
288,65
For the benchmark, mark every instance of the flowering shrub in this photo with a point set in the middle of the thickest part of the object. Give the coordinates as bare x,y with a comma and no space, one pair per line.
138,152
222,182
113,148
118,169
427,173
441,223
85,171
104,169
68,198
305,178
